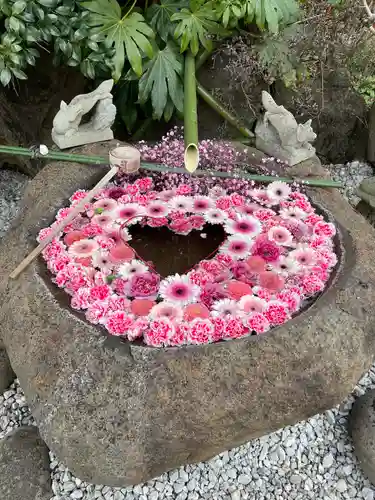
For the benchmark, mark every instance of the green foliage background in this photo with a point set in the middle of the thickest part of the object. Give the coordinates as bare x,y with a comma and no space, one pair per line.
139,44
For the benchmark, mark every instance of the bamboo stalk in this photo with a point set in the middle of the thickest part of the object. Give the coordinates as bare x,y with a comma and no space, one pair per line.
190,115
224,113
59,227
157,167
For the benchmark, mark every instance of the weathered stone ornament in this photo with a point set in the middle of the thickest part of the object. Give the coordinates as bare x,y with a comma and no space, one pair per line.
67,131
281,136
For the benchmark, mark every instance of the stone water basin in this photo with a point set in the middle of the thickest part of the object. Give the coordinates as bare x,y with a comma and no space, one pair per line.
118,414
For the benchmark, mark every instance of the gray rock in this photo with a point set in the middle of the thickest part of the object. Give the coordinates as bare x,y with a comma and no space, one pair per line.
7,375
362,429
24,466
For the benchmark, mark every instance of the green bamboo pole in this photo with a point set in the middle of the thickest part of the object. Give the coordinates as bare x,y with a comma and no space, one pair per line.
190,114
157,167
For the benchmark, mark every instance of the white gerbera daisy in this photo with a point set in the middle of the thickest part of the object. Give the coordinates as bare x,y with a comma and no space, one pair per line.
244,225
286,266
225,307
215,216
181,204
278,190
129,269
292,213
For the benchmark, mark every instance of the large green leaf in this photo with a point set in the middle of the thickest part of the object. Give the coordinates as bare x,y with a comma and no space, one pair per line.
128,34
162,81
271,14
196,25
159,16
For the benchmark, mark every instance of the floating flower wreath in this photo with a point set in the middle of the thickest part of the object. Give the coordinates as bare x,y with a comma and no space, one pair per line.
278,254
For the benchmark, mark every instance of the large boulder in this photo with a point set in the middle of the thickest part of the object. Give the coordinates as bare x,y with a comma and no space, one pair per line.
362,430
117,413
24,466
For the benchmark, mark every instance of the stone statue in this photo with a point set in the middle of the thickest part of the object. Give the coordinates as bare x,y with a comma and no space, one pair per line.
67,130
280,135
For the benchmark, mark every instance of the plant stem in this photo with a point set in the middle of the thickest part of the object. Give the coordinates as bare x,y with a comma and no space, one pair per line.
224,113
157,167
190,114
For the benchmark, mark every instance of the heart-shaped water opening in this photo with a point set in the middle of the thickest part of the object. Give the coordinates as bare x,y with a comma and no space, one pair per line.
172,253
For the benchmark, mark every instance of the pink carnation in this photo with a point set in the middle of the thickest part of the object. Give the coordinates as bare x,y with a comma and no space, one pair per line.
201,331
100,292
324,229
144,285
266,249
237,200
234,328
160,332
258,323
118,323
277,313
137,330
224,202
96,311
219,328
81,298
144,184
183,189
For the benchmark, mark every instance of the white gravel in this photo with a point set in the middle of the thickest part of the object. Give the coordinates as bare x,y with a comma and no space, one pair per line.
311,460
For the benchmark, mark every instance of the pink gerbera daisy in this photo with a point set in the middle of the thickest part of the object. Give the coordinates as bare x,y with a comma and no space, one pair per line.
105,204
83,248
167,194
249,226
103,220
237,246
304,255
157,209
202,203
129,212
179,290
280,235
166,310
252,304
248,209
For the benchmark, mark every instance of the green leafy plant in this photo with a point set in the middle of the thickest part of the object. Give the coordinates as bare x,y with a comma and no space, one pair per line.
141,45
127,33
